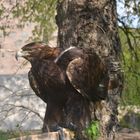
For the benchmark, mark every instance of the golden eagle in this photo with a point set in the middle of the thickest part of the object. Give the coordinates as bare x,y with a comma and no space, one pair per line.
56,75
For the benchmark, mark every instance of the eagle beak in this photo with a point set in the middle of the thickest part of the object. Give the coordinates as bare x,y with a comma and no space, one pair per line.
20,53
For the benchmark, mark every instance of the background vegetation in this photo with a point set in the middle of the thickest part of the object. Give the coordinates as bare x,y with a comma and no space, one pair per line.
130,40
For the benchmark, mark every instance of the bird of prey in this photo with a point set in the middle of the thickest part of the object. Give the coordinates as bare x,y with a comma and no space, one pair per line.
57,75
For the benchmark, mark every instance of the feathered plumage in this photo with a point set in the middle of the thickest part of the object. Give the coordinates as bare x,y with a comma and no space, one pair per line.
56,75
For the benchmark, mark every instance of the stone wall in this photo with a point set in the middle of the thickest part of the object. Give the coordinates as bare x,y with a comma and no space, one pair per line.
20,108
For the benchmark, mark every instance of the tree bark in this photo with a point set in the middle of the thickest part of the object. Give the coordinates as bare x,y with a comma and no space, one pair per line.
93,23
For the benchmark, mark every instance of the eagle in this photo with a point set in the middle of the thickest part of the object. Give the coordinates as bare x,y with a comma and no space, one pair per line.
57,75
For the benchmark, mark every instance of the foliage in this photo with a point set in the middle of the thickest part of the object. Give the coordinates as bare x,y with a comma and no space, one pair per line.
9,134
93,131
130,40
131,56
41,13
5,135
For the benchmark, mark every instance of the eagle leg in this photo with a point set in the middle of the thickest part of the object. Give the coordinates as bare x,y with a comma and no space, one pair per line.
53,118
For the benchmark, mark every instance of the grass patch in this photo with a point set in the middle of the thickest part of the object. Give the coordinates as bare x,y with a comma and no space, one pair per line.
14,134
93,131
3,135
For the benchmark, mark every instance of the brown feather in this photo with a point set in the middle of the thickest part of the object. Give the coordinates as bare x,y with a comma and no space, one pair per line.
57,75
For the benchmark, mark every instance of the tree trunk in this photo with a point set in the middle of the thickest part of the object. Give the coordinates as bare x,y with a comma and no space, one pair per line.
93,23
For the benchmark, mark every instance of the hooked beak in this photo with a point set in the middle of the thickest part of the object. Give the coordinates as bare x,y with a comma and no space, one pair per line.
20,53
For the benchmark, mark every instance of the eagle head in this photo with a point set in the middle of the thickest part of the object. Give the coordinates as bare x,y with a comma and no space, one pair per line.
37,50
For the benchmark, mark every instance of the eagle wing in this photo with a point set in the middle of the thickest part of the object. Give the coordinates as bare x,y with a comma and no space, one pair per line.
48,81
88,76
33,83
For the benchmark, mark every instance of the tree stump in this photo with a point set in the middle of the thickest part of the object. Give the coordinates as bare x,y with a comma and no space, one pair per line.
63,135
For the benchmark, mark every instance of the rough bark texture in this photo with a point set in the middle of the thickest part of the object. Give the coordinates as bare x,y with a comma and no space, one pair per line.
92,23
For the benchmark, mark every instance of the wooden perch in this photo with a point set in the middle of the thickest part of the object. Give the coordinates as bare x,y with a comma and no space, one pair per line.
64,135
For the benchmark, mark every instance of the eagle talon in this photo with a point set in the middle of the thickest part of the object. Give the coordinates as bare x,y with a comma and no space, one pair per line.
61,134
72,126
55,128
60,131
